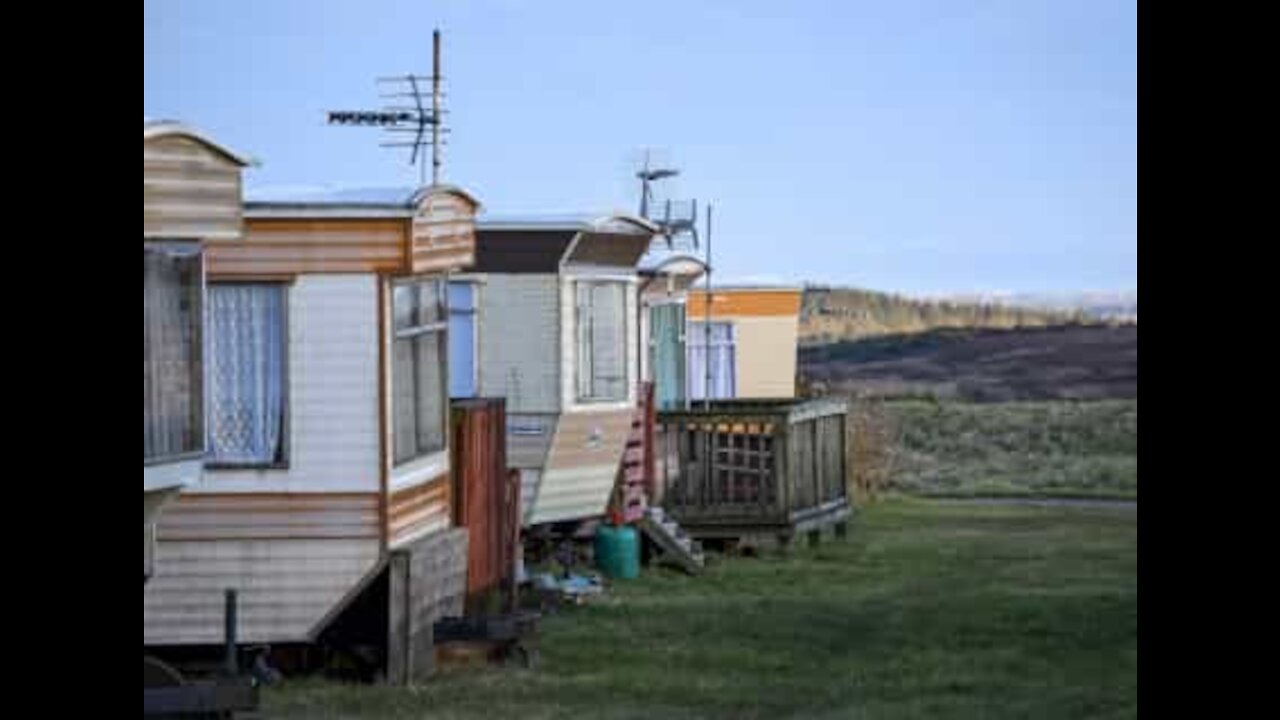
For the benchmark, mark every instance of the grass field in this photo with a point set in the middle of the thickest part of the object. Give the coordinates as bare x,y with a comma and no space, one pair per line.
1051,448
928,609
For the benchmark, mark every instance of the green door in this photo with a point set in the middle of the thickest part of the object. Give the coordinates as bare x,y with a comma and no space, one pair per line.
667,355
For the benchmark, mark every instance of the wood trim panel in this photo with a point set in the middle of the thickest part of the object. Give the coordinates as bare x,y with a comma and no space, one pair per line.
411,509
269,516
283,247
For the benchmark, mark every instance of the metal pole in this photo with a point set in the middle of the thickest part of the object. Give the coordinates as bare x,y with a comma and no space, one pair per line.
706,326
229,633
435,107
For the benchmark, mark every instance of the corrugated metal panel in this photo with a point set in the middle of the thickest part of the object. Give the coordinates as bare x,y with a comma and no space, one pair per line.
333,392
583,465
288,247
529,439
285,587
419,510
519,326
488,498
188,190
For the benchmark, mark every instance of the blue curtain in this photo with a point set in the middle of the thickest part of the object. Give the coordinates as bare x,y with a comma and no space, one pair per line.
247,368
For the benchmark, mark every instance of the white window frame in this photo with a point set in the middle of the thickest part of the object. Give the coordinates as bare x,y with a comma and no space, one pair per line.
441,327
581,397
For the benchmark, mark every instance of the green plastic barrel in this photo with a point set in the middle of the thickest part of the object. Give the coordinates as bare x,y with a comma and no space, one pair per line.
618,551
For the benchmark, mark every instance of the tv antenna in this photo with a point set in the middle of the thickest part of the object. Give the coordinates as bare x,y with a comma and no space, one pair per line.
410,119
676,219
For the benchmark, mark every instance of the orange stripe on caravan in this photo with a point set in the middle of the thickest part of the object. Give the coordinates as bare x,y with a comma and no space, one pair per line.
353,226
263,516
744,302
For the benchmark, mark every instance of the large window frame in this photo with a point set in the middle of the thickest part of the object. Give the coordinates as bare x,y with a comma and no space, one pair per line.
408,328
586,381
190,305
282,456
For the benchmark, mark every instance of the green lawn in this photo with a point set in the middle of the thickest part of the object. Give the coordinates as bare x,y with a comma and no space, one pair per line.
926,610
1050,448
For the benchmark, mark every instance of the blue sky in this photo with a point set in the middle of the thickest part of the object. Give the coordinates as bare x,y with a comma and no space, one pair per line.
911,146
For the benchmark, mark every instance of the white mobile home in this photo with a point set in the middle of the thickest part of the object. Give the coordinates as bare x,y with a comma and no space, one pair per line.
328,467
551,306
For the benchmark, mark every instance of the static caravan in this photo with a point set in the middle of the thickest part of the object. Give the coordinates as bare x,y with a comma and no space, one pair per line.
327,480
550,308
190,197
754,334
665,278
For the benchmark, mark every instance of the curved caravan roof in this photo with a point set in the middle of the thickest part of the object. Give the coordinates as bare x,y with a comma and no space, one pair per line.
191,185
667,263
155,129
353,203
611,224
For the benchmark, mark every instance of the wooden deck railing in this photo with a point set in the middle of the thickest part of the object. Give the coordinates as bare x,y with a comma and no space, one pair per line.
745,465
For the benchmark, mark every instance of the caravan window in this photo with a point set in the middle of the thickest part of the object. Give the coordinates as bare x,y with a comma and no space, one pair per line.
418,390
720,355
172,386
601,340
462,339
247,374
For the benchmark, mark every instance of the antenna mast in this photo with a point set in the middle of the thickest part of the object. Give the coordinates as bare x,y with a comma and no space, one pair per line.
407,114
435,106
676,220
706,326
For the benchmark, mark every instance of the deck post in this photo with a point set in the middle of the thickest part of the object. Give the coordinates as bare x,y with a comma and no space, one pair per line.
231,664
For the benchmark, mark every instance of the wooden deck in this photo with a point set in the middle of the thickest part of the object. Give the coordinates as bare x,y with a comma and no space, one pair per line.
750,467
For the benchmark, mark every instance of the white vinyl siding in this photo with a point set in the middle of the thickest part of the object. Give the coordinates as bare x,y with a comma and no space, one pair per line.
333,392
519,324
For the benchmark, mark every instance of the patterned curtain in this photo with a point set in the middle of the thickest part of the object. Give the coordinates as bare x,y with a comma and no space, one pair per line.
247,369
720,355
